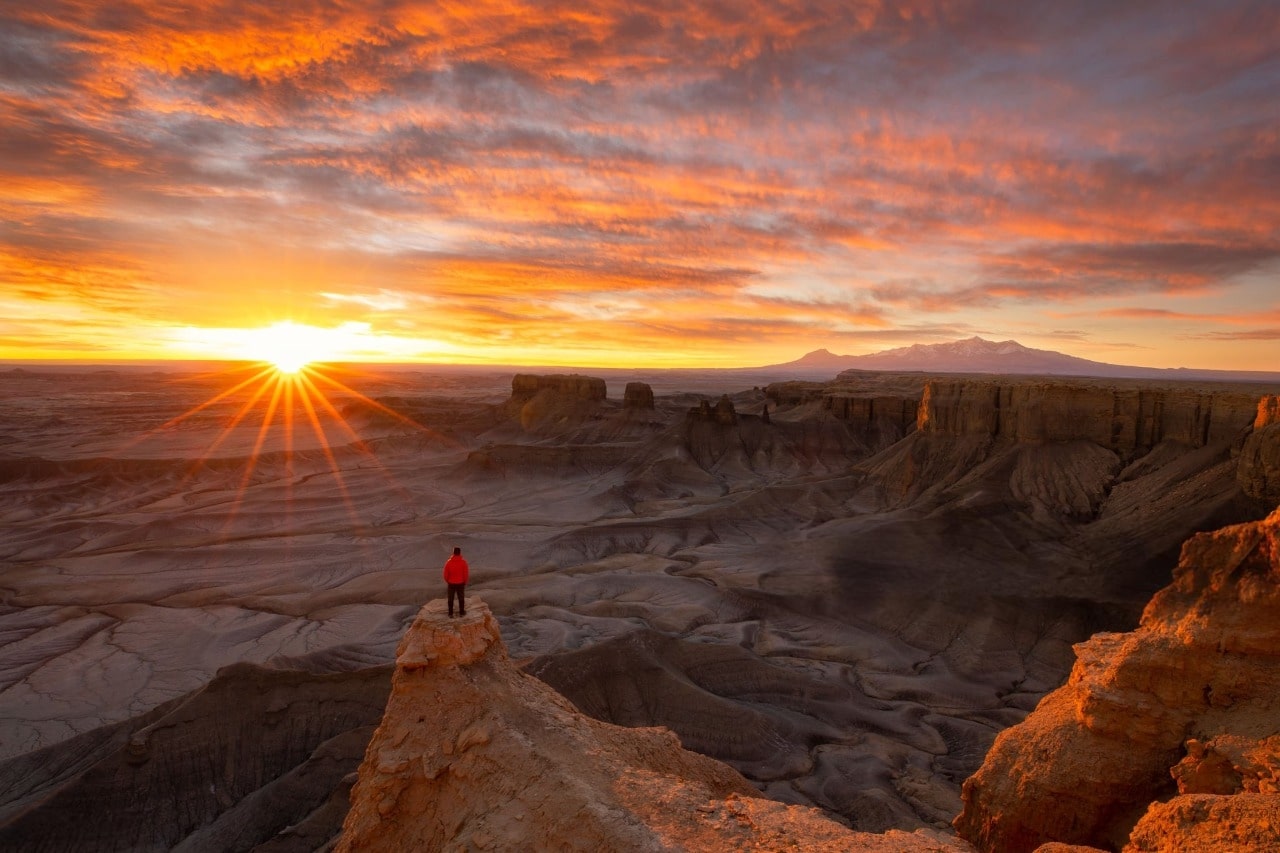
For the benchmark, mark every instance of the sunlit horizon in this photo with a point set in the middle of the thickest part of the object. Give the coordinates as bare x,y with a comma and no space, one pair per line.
289,346
290,349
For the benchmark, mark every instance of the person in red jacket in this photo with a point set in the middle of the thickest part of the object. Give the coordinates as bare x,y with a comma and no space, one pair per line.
456,574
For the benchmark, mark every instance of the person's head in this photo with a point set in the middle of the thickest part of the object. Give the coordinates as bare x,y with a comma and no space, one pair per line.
457,552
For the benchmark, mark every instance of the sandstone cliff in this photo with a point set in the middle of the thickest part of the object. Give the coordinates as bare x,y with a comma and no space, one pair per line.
881,419
1184,709
1060,448
1120,419
472,754
1114,470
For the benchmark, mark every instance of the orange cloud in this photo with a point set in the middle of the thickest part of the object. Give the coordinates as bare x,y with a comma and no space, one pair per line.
576,180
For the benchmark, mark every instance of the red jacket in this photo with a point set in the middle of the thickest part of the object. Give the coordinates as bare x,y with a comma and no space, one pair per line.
456,570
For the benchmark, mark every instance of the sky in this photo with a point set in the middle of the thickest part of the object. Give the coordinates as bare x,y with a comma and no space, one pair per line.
639,184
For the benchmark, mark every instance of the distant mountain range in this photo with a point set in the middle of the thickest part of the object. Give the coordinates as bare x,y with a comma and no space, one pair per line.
978,355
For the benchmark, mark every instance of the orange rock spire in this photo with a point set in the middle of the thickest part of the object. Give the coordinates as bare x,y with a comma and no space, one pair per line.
472,754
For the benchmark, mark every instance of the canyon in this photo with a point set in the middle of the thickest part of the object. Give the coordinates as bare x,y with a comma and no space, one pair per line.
1132,753
843,590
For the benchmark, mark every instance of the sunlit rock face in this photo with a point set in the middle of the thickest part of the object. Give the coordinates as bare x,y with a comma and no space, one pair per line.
474,755
1184,709
1259,471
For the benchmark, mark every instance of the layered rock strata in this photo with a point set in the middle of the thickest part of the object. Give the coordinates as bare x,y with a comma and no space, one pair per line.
882,420
1184,709
472,754
1120,419
877,416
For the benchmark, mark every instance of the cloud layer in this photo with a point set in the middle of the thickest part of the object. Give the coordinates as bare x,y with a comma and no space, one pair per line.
656,183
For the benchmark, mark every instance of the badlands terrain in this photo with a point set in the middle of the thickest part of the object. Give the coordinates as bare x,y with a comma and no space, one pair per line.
844,590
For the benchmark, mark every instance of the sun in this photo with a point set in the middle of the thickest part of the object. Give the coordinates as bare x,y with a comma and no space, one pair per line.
290,346
288,363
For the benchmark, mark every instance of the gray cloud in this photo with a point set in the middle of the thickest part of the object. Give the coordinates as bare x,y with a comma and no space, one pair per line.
1062,151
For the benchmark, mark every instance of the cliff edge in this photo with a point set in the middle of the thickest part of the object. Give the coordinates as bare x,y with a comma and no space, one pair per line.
472,754
1163,739
1122,419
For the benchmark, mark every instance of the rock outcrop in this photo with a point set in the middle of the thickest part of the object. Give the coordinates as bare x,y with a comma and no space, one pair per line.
1259,468
551,403
525,386
1184,709
723,412
473,754
638,395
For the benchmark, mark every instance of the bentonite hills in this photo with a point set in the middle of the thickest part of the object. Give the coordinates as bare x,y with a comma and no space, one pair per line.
846,592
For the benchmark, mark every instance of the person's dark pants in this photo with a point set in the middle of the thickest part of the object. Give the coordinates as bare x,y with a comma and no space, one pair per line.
459,590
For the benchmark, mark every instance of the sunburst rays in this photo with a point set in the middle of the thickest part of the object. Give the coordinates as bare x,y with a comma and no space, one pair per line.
276,412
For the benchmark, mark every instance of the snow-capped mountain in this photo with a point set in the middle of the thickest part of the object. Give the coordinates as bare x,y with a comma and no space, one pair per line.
978,355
